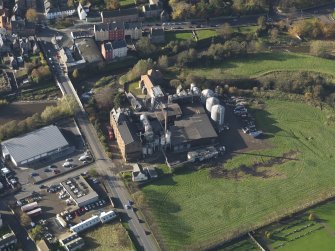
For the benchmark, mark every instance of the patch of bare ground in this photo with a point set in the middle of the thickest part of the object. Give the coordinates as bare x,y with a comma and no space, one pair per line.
262,169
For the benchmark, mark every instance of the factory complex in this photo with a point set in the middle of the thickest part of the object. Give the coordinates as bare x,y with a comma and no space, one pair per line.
188,119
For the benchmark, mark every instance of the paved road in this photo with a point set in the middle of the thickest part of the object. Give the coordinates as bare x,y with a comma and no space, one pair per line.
104,165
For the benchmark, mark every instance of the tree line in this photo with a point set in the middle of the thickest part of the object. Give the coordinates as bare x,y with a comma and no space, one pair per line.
65,107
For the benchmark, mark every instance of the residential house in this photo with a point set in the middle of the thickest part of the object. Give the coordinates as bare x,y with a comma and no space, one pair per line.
120,15
81,34
128,139
157,35
133,30
138,174
55,9
114,49
109,31
151,10
42,245
23,28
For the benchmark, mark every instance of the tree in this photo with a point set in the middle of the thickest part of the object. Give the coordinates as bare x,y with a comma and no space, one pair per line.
163,62
31,15
145,47
175,83
75,74
25,219
274,35
225,31
119,100
261,21
112,4
36,232
70,3
322,48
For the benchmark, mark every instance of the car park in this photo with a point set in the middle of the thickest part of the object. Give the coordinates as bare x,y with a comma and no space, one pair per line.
34,174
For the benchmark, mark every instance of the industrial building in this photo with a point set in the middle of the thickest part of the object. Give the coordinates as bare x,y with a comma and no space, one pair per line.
79,190
44,144
125,134
188,119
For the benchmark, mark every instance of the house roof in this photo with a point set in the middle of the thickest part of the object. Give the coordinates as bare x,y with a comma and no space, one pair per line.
173,109
109,26
132,26
119,13
108,46
35,143
117,44
81,34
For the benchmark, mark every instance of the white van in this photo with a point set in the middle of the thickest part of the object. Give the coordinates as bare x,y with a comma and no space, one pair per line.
83,157
67,164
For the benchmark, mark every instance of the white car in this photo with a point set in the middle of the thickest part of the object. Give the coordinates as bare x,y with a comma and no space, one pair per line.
83,157
67,164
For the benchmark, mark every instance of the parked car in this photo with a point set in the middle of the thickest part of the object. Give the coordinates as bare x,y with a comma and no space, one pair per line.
127,206
56,171
67,164
33,174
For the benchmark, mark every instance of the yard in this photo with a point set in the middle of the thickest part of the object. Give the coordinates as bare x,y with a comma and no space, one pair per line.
195,209
107,237
264,63
134,89
126,2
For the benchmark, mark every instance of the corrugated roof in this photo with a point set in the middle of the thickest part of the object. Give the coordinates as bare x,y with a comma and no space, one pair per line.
32,144
193,125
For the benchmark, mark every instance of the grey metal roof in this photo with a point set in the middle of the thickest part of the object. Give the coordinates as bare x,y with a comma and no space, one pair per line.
193,125
35,143
120,12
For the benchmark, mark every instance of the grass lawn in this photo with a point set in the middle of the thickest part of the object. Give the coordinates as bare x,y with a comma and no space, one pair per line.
246,29
107,237
259,64
203,34
126,2
193,210
133,88
310,235
178,35
243,245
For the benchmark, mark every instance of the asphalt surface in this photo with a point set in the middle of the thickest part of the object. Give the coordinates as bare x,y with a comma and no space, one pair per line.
20,232
104,165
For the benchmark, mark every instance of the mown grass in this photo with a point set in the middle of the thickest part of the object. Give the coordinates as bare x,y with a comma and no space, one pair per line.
126,2
111,236
259,64
203,34
134,89
178,36
322,239
193,210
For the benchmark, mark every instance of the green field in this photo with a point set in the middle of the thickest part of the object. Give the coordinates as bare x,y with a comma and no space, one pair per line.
126,2
175,36
203,34
134,89
301,234
193,210
259,64
111,236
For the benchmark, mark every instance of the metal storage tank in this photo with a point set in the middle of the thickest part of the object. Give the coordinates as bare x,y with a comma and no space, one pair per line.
217,114
205,94
210,102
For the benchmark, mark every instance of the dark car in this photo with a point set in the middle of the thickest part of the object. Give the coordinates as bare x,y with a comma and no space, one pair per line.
56,171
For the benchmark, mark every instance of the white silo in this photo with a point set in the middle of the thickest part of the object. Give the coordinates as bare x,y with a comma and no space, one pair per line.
217,114
210,102
205,94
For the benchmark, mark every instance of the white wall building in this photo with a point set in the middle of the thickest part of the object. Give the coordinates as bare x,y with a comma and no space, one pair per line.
82,226
107,216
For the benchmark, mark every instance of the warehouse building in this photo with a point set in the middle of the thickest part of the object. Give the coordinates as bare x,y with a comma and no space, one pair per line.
79,190
44,144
